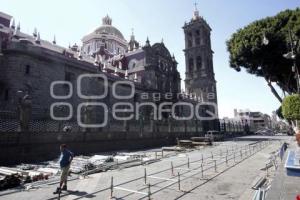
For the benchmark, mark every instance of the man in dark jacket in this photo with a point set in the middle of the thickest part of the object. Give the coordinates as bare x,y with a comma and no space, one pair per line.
65,160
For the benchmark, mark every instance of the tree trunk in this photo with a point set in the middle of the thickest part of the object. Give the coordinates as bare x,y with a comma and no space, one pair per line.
274,91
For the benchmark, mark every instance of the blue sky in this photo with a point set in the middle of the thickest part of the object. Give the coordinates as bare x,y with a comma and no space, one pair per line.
70,20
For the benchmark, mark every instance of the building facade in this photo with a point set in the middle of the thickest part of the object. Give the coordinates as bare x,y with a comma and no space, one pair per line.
255,120
33,71
199,76
200,80
29,65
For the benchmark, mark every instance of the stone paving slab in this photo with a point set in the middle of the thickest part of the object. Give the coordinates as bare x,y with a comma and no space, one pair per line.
284,187
231,184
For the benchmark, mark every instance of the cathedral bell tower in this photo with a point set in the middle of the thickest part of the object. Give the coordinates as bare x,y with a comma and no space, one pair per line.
200,77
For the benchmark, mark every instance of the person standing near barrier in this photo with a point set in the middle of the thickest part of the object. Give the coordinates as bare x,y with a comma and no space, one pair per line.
65,160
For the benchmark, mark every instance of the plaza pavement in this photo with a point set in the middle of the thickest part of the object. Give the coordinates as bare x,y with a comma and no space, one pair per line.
229,181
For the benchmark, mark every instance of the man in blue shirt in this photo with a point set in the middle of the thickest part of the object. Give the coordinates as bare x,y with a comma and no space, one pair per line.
65,160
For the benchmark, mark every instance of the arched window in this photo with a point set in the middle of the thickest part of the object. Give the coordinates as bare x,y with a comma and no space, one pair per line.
27,69
199,62
191,64
189,39
190,43
197,37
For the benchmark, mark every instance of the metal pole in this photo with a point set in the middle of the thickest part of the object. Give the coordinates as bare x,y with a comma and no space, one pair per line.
145,176
215,165
149,191
172,169
202,170
250,150
226,160
162,153
234,157
111,187
155,155
202,158
188,162
212,155
179,181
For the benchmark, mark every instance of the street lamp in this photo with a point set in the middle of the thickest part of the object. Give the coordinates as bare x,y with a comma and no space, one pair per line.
265,40
292,55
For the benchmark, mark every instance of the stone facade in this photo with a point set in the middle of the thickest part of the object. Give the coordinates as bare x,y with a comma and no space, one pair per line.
200,78
28,66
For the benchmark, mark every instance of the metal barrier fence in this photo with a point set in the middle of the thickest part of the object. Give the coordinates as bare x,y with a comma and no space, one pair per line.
213,163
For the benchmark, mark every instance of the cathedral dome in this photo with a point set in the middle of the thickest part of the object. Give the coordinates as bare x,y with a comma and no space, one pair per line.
106,36
107,29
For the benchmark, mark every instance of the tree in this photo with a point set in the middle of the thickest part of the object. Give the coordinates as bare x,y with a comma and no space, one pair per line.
260,46
291,107
279,113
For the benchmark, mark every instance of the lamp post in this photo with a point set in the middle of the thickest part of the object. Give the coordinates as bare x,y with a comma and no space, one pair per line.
292,55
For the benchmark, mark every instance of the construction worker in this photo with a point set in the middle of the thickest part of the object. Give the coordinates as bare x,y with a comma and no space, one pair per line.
65,160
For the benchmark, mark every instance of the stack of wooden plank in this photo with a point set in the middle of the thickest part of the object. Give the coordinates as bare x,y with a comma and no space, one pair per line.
81,164
9,178
197,141
185,143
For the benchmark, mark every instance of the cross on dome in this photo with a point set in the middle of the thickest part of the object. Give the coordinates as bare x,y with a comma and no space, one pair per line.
106,20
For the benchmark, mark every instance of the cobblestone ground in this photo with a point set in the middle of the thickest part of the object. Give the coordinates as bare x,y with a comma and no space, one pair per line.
229,170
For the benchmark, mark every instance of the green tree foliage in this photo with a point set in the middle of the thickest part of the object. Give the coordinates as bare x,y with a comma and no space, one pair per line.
291,107
265,59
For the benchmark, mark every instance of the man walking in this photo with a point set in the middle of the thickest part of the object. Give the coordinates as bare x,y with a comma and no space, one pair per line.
65,160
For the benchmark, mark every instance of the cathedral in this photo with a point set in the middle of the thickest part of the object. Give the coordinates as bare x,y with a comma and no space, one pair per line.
29,65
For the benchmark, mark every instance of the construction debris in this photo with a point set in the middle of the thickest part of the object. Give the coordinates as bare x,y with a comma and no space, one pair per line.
82,165
9,181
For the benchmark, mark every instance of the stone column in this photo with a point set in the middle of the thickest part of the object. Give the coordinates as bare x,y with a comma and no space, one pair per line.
141,125
87,116
195,64
151,122
125,126
185,127
24,108
170,123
